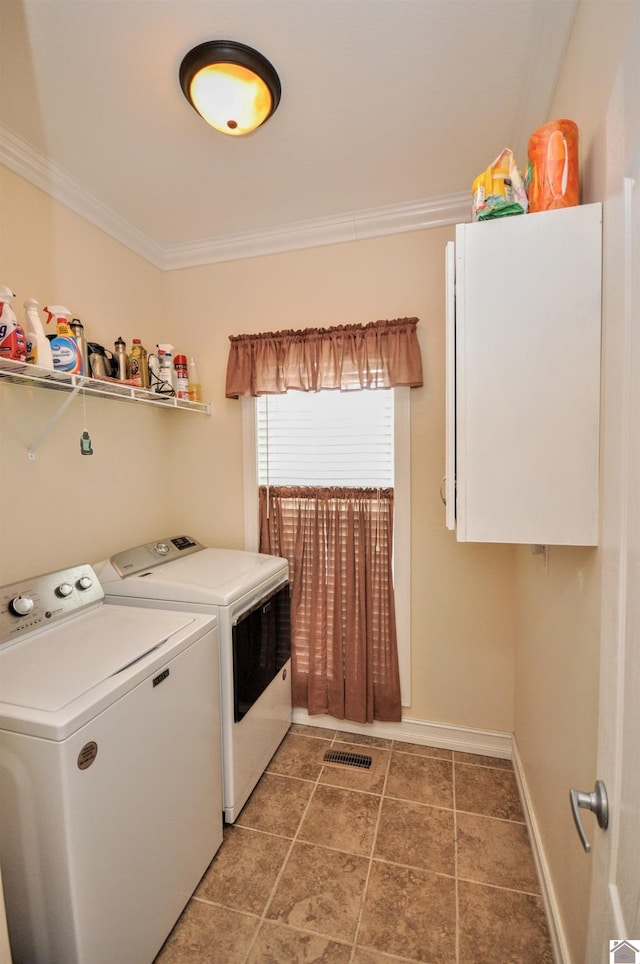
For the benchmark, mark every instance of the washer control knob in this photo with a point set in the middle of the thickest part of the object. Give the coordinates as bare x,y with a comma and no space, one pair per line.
64,589
162,548
21,605
84,582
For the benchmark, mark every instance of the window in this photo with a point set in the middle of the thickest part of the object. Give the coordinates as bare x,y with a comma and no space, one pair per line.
326,438
336,438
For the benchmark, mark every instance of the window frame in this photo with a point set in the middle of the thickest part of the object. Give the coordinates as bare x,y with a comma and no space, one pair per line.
401,517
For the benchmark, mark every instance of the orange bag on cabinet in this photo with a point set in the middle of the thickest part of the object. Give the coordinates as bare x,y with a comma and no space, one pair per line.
553,175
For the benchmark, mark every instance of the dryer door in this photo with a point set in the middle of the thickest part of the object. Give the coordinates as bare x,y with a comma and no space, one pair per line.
261,647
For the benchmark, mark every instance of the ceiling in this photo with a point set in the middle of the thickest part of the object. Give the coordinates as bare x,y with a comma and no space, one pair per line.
389,110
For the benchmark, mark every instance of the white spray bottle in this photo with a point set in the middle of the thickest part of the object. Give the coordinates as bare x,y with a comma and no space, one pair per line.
12,338
38,345
67,356
167,371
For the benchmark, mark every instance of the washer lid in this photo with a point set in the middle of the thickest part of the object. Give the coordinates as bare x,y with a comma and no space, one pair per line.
52,668
212,576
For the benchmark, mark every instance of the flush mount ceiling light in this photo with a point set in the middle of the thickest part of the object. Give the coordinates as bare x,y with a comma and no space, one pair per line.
232,86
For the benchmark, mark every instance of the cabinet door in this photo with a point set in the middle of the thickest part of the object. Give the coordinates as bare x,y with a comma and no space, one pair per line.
528,309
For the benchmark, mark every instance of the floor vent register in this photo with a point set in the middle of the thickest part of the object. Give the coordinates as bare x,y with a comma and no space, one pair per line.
360,760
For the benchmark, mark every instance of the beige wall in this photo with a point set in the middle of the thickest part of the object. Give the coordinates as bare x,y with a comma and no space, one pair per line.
62,508
558,609
155,472
462,603
159,472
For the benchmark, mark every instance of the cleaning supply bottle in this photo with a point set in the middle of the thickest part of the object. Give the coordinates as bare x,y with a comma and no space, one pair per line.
13,343
167,351
139,364
195,392
67,356
121,358
165,373
38,345
182,377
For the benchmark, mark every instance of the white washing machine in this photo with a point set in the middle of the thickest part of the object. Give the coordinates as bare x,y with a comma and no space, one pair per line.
110,769
249,594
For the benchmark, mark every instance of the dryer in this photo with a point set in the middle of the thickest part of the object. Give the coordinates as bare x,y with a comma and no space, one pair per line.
248,592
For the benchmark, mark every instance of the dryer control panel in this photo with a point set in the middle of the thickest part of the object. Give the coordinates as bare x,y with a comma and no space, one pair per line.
132,562
32,604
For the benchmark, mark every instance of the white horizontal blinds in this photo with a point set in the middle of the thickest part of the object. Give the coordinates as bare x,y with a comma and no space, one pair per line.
326,438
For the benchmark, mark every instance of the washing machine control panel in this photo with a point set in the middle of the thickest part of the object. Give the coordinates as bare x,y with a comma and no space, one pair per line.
37,602
133,562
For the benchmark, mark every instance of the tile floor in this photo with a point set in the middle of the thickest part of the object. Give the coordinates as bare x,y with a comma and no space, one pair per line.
423,857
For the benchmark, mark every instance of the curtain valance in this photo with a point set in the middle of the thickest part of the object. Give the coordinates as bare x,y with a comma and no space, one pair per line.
382,354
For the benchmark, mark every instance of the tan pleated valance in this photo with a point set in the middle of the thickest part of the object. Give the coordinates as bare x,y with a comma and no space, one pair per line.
382,354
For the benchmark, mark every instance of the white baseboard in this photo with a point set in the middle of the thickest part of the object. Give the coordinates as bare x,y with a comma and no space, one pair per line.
556,931
443,735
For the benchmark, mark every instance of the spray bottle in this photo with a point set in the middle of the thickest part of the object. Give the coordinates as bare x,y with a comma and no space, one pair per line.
12,337
167,372
182,377
67,356
38,345
164,384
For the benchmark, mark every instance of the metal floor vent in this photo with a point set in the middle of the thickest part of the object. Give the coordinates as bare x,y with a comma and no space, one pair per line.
360,760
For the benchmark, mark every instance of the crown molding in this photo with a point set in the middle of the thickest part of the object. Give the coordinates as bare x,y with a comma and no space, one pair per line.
27,162
23,159
355,226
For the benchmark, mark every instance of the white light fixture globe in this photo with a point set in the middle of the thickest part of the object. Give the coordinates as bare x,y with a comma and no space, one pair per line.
233,87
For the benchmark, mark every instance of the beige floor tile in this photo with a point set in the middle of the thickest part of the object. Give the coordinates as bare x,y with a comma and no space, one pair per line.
322,732
243,872
321,891
421,779
421,750
355,778
495,852
501,925
299,756
205,934
416,835
363,739
364,955
409,913
311,889
277,944
341,819
488,791
483,761
276,805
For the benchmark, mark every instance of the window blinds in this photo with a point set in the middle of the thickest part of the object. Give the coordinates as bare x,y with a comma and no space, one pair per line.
326,438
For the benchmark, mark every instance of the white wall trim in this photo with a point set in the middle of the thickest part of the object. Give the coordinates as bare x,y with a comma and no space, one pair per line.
354,226
402,536
23,159
552,911
446,736
18,156
250,477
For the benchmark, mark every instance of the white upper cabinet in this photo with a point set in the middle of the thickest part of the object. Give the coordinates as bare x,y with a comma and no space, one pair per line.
523,378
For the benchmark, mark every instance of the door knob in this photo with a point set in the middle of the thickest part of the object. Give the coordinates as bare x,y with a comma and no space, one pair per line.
597,802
